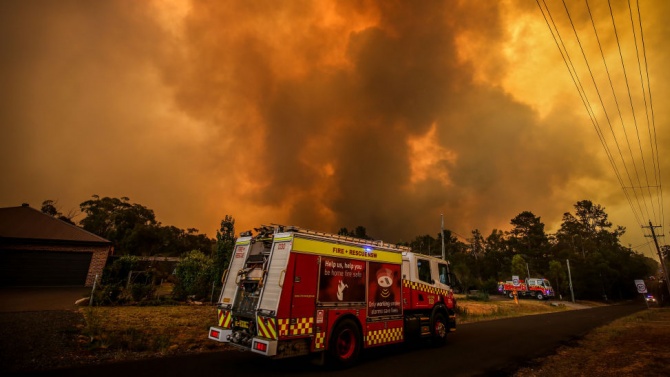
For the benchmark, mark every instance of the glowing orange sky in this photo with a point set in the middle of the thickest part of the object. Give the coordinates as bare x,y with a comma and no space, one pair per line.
315,113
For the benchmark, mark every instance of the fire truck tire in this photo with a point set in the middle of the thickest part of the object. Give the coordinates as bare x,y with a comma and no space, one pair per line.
439,329
540,296
345,344
511,295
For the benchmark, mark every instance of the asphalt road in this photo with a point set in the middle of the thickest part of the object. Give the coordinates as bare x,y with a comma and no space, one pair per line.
491,348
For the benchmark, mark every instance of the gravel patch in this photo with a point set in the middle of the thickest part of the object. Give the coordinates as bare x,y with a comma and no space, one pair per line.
41,340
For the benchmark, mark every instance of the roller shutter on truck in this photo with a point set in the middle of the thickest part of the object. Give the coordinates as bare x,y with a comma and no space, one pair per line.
276,274
237,263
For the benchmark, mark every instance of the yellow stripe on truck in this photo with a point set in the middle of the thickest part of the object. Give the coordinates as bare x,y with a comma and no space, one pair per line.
345,251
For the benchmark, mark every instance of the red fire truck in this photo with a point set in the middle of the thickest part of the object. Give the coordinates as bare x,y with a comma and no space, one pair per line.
538,288
292,292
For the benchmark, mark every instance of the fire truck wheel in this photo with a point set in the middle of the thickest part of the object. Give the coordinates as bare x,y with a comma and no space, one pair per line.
345,344
511,295
439,329
540,296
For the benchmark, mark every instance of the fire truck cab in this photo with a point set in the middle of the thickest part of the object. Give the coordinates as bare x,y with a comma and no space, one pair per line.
291,292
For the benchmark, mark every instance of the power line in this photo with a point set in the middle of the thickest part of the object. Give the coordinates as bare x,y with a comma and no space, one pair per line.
632,109
584,98
602,103
646,107
653,142
642,193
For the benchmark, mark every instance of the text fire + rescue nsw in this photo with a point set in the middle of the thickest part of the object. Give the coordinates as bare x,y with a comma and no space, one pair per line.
354,252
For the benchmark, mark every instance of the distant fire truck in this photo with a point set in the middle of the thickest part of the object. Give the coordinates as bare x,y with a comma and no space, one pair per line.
291,292
537,288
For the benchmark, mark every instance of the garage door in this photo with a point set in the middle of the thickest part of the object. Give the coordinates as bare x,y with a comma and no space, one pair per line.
43,268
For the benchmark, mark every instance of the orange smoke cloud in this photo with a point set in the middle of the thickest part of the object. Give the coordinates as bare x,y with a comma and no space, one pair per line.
318,114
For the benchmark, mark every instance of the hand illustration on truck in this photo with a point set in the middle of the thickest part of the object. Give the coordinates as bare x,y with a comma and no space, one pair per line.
340,290
362,294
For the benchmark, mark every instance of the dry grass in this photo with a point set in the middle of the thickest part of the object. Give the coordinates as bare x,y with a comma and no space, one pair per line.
150,329
474,311
636,345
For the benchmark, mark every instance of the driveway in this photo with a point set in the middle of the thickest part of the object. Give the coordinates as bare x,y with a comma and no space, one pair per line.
31,299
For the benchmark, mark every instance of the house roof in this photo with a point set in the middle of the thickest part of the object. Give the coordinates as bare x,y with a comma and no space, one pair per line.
26,223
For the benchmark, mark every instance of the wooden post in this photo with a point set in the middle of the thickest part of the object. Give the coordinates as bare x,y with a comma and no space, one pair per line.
95,281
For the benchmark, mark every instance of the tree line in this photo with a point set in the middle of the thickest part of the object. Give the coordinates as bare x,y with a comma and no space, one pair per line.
601,267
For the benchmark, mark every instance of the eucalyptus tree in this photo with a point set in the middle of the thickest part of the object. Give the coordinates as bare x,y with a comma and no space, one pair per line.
601,267
225,242
134,230
529,239
496,259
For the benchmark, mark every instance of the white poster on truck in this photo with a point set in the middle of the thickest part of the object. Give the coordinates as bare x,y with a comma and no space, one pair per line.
515,280
384,287
342,280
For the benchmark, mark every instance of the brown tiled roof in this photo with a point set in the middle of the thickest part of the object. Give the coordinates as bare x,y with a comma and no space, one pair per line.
26,223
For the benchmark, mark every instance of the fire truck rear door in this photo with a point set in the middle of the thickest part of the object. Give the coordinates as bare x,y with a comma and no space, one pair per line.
304,286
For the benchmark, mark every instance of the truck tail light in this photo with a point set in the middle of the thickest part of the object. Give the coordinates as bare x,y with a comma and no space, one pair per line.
260,346
214,333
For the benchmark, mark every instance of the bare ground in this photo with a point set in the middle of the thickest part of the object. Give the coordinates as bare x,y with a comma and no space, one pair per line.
34,341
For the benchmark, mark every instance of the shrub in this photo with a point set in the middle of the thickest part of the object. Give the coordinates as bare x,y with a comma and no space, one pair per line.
118,272
142,292
194,275
478,296
108,294
122,283
490,286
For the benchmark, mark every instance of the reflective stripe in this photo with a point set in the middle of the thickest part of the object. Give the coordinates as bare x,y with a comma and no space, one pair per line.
224,318
267,327
424,287
302,326
296,326
383,336
319,340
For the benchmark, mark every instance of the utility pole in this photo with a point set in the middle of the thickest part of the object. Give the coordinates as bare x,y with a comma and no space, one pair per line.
658,250
442,233
572,294
444,256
